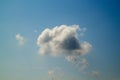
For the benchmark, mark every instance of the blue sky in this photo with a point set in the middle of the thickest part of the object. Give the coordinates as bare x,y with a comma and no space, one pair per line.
100,17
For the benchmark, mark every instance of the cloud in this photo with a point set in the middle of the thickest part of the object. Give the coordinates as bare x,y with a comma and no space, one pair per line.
56,74
20,39
62,40
82,63
51,74
71,58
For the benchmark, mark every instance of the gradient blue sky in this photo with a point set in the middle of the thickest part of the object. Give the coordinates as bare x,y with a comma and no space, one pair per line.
100,17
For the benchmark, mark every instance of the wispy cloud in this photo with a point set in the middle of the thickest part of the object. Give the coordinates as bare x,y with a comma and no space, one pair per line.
20,39
56,74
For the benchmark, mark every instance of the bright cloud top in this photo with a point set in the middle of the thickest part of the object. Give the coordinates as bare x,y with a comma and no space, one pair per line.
20,39
62,40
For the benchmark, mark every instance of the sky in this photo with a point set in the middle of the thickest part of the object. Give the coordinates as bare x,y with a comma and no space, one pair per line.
22,22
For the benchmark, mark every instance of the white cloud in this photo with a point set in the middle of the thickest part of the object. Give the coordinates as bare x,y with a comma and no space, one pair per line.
20,39
56,74
71,58
62,40
78,61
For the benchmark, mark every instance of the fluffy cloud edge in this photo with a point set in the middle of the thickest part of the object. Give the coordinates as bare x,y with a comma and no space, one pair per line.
20,39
